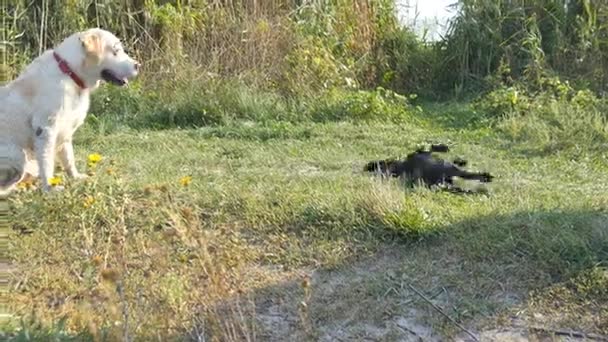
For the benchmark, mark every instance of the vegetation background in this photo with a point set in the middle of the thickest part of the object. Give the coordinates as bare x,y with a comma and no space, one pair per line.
261,107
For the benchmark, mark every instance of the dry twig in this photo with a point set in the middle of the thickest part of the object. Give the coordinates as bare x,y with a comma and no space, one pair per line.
438,309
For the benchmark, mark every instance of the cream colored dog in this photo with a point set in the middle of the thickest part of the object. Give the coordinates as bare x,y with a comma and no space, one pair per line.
43,107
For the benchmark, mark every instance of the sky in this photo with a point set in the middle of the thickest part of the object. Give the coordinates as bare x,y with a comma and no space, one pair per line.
431,14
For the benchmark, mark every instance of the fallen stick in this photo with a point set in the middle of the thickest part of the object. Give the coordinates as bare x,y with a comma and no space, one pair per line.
570,333
443,313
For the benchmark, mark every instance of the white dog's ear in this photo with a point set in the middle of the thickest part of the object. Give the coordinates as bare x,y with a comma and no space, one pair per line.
92,45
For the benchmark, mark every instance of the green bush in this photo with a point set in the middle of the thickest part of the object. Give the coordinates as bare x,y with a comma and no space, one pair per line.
504,101
551,116
378,105
523,97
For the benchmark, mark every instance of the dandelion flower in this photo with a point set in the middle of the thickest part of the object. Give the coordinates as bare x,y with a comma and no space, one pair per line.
94,158
186,180
88,201
25,185
55,181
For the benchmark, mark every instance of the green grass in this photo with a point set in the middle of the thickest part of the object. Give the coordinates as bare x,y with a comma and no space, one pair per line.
273,203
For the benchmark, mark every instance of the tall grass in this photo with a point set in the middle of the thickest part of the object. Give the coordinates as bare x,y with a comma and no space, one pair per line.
569,38
285,44
300,48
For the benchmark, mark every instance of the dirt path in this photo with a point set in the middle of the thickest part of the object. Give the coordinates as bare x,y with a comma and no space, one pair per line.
370,301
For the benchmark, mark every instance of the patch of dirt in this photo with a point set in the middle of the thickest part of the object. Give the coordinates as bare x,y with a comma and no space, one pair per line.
350,304
370,301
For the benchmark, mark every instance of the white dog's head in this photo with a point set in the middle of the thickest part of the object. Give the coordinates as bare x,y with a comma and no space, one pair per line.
97,54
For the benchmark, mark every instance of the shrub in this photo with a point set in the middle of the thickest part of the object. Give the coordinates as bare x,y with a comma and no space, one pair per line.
378,105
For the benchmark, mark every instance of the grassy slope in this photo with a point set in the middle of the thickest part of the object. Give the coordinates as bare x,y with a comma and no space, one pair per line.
280,215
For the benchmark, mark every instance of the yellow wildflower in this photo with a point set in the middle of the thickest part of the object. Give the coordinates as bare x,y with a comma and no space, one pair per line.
94,158
55,181
186,180
25,185
88,201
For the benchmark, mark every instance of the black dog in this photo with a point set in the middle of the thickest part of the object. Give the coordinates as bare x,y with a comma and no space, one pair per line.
422,167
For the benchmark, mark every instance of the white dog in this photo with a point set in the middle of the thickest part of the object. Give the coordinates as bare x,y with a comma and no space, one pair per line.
43,107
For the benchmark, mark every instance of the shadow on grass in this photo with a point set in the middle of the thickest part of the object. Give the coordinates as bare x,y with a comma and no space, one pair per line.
475,270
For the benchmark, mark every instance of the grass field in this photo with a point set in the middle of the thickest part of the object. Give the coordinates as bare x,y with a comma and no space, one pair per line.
278,236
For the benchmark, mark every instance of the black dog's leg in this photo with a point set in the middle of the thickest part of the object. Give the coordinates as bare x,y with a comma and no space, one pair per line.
440,148
458,190
385,168
374,166
483,177
460,162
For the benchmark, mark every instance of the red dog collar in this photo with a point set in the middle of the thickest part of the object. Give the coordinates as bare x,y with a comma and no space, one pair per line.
65,68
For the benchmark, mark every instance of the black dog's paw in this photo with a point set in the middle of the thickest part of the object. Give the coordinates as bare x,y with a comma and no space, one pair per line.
460,162
380,166
372,166
419,150
486,177
440,148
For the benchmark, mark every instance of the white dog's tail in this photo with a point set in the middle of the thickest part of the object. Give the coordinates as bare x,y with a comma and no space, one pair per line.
12,166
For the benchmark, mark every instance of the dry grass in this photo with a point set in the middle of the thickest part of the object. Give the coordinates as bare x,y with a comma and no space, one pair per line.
259,42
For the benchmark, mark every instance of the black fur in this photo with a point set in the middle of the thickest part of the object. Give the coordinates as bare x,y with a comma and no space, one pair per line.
421,166
443,148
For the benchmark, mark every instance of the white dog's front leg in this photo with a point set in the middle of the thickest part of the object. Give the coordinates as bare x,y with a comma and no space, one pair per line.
66,155
44,146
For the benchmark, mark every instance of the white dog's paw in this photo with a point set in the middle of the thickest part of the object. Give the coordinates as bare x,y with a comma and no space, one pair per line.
53,188
78,175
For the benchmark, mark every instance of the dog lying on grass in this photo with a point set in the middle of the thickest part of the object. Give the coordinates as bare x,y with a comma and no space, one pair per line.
424,168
